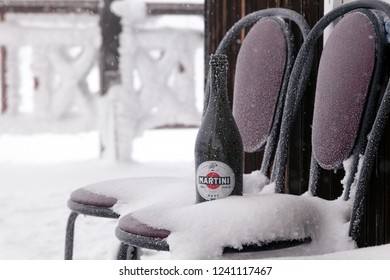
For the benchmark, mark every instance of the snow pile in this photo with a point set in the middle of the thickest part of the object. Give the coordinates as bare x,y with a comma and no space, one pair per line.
234,221
254,182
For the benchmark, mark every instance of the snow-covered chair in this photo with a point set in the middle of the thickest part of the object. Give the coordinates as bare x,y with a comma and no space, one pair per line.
261,82
349,83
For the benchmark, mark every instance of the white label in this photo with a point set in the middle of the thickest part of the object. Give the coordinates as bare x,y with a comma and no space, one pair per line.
214,180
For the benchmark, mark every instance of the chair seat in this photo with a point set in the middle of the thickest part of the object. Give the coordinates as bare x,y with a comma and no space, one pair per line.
132,225
203,231
86,197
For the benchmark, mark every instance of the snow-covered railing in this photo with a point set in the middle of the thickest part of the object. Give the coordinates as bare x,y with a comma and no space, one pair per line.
157,69
52,6
62,51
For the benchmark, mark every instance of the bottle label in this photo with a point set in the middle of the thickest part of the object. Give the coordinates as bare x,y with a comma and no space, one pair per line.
214,180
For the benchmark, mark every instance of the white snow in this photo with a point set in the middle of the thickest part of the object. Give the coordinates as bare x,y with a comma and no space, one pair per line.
234,221
38,173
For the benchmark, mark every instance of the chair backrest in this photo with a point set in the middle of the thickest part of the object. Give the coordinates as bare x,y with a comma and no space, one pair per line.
260,68
264,63
349,85
347,90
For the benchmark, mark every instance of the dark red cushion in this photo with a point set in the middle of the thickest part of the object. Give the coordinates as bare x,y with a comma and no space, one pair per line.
343,83
131,225
86,197
259,74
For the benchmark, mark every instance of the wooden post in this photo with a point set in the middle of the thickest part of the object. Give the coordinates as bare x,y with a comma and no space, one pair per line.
3,57
109,53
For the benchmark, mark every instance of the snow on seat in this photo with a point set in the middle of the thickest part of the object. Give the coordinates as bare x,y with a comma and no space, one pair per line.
128,194
202,231
258,81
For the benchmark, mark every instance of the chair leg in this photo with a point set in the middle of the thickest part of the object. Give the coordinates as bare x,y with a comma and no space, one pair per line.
69,239
122,251
132,253
127,252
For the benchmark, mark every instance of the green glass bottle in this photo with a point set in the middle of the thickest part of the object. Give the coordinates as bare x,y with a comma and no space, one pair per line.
218,147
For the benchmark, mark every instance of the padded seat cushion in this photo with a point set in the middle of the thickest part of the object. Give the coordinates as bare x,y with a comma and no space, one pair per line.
131,225
86,197
259,75
346,68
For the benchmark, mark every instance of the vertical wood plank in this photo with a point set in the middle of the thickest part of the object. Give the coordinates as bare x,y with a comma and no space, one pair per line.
3,69
109,54
3,59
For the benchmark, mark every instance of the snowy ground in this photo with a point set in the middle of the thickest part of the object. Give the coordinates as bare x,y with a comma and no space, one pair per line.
39,172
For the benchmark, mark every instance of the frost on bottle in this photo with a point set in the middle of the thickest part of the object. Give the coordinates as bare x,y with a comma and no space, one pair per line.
218,147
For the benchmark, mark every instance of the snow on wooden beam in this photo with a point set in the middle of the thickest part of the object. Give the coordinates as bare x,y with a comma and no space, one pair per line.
25,6
174,9
92,6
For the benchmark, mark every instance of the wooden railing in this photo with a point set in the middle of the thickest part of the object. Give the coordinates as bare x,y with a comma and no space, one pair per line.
90,7
155,85
49,6
174,9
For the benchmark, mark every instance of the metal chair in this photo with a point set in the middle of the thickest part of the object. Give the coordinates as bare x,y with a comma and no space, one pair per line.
349,83
267,95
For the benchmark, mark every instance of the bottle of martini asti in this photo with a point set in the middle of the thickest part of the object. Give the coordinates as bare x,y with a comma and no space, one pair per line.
218,147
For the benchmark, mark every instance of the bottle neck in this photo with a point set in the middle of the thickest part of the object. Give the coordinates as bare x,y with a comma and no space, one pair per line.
218,99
